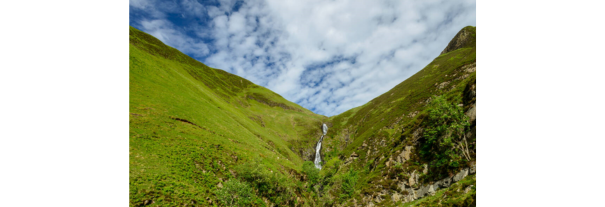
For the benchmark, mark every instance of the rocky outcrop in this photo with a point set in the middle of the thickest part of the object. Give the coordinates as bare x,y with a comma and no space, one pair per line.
413,179
351,158
461,175
462,39
410,189
405,154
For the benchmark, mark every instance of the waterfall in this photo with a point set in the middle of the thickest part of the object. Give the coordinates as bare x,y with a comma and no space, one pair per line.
318,147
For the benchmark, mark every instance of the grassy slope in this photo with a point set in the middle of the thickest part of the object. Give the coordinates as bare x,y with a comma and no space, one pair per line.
188,120
385,117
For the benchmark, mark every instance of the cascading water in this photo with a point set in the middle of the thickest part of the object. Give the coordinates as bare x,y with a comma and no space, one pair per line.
318,147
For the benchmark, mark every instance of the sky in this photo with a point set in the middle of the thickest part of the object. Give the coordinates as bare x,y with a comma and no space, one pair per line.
327,56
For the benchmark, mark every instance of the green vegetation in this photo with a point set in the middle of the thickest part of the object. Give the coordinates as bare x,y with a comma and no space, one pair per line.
236,193
311,172
445,141
462,193
402,117
349,180
191,125
272,185
194,128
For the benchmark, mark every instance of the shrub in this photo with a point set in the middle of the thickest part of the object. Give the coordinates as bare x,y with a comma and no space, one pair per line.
235,193
273,185
349,180
330,168
311,172
444,137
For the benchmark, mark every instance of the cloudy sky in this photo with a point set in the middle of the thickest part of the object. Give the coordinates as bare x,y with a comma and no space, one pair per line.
327,56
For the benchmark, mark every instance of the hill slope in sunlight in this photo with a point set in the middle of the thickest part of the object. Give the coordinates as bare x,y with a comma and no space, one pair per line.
201,136
191,124
403,142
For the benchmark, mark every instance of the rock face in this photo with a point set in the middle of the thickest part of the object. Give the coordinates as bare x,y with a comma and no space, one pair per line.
461,175
410,189
405,154
472,113
461,39
413,178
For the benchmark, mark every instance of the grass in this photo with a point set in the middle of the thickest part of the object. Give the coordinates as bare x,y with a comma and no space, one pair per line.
192,126
453,196
388,115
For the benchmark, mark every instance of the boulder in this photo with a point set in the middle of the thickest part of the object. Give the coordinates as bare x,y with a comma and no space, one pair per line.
473,168
469,188
388,163
396,197
441,86
431,190
461,175
400,158
411,195
417,134
444,183
470,68
401,185
413,178
437,185
407,152
422,191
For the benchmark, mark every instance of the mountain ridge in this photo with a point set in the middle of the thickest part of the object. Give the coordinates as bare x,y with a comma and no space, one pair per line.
195,129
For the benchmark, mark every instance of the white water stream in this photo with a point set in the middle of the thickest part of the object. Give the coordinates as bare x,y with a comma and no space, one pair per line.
318,147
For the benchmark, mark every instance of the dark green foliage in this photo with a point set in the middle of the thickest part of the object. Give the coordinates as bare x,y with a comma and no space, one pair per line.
311,172
236,193
445,141
329,169
270,184
191,125
349,181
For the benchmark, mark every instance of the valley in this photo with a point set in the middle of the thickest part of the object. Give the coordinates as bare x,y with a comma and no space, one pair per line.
201,136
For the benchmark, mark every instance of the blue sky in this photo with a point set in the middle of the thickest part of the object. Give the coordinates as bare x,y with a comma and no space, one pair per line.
327,56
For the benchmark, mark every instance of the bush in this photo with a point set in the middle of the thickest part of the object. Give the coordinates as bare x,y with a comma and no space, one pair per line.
330,169
311,172
235,193
445,141
349,180
273,185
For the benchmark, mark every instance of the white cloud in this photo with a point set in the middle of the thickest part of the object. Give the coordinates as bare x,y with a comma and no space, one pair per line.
329,56
163,30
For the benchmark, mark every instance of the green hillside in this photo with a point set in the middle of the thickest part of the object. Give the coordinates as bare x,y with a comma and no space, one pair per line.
380,130
202,137
190,125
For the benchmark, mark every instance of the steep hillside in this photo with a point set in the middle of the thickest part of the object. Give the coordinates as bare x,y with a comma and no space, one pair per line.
395,143
190,125
201,136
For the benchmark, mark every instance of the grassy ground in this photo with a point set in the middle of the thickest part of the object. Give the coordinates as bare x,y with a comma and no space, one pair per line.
396,114
190,124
